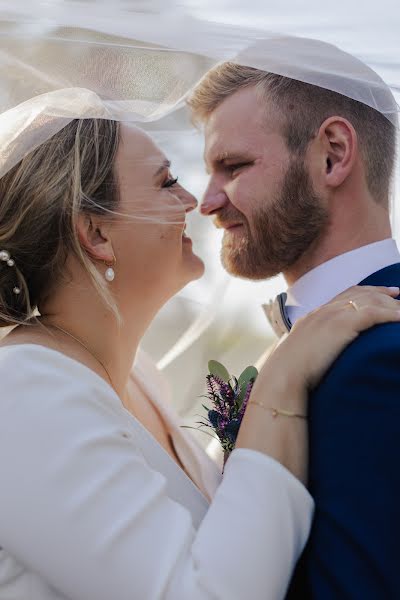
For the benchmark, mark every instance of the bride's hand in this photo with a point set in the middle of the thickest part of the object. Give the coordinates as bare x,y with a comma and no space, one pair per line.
298,363
317,339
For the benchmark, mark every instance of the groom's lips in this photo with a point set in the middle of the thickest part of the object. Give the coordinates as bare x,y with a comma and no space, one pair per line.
227,226
233,227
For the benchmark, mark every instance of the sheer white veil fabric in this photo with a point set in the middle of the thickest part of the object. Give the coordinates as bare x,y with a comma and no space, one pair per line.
135,62
70,59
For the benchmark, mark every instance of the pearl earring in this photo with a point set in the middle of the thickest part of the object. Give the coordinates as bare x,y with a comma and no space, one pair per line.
110,273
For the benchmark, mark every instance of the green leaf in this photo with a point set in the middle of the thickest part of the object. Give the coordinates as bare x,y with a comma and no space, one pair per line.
215,368
249,374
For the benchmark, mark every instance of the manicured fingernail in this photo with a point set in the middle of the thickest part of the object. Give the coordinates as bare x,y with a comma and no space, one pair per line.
394,289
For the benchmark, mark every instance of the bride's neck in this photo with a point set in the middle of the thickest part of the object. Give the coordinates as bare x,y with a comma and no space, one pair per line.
81,314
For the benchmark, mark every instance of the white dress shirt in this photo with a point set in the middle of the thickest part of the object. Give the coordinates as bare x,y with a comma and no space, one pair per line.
322,284
92,507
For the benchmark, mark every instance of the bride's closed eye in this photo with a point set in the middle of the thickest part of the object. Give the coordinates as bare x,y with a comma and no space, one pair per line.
170,182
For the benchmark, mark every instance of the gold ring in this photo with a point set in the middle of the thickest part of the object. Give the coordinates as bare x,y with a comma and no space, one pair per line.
353,305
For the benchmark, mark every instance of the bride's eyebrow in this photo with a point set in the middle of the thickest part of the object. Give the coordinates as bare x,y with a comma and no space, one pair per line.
165,165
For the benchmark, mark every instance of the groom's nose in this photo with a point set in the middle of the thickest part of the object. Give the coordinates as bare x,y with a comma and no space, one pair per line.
212,202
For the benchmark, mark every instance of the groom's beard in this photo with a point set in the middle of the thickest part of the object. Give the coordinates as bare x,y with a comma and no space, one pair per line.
280,234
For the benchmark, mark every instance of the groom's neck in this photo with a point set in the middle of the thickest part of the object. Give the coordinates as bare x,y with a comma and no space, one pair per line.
346,232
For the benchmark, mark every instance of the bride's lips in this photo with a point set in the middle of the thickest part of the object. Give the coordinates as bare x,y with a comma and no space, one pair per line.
185,239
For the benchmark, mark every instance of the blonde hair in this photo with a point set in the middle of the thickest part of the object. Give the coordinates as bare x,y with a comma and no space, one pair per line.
40,199
304,108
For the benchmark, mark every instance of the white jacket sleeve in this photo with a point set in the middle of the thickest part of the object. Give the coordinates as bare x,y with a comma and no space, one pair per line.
80,506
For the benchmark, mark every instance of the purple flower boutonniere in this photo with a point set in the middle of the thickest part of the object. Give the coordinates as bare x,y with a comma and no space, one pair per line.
228,398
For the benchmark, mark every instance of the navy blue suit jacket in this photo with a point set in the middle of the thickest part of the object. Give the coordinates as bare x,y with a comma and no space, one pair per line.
354,476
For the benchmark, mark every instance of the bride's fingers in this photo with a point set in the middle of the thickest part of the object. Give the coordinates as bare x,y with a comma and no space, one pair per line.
362,311
363,290
357,309
376,299
393,291
358,297
370,315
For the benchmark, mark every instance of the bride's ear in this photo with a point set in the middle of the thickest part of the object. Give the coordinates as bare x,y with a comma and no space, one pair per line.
93,235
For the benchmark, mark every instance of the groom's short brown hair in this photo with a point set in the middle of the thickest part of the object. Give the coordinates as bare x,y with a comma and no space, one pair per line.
305,107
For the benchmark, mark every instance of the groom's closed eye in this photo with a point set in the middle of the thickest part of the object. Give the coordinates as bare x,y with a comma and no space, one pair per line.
232,163
236,168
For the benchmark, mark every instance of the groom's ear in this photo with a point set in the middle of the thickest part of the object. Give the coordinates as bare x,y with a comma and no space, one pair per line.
339,146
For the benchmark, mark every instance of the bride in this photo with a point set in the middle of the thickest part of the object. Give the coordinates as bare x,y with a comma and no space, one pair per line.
95,500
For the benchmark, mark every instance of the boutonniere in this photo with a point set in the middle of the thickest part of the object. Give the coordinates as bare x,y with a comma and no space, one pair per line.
228,397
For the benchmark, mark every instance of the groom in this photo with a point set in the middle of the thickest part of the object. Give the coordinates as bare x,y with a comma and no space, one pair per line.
299,181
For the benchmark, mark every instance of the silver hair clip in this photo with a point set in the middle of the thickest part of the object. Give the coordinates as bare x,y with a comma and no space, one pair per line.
5,257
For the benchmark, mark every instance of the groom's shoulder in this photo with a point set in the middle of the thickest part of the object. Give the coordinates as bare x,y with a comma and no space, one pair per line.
373,354
367,373
377,339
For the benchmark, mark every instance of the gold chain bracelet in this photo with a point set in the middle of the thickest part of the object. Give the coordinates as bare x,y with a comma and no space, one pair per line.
278,411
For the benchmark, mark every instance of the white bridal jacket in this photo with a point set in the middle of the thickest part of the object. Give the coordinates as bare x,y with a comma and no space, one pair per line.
93,508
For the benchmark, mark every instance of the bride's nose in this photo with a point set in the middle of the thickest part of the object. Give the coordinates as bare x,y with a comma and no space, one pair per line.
189,201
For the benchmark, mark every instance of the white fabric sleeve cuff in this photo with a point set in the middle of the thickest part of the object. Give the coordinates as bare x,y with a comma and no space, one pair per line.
277,523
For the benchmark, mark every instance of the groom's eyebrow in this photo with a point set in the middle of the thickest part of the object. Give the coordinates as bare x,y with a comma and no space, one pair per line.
221,157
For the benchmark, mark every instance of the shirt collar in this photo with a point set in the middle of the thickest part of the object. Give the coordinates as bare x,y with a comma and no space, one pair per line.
326,281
